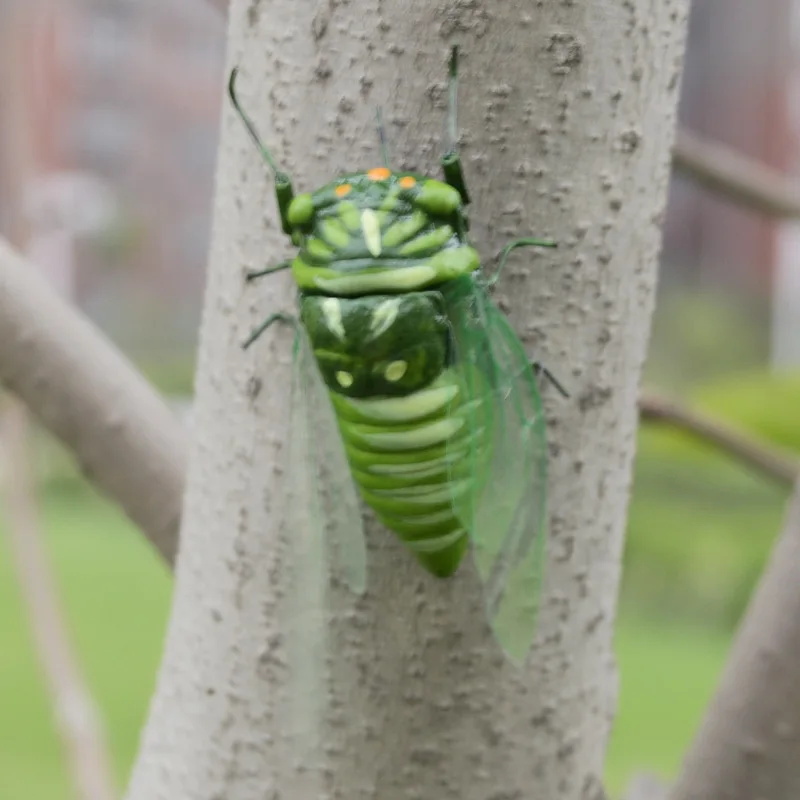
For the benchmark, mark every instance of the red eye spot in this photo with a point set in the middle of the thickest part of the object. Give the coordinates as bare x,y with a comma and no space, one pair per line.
343,190
407,182
379,174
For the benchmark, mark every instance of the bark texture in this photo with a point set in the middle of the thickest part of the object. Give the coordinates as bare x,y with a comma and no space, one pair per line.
567,115
84,391
749,743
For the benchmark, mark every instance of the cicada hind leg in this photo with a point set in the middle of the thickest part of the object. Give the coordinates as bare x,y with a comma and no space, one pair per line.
280,316
540,369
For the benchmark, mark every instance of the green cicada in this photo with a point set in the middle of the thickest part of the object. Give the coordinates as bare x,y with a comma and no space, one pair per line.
410,386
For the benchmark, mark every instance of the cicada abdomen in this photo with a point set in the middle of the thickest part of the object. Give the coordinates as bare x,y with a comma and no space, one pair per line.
384,359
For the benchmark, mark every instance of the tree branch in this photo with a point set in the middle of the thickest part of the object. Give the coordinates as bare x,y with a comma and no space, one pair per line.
752,452
736,177
86,393
646,787
749,743
78,719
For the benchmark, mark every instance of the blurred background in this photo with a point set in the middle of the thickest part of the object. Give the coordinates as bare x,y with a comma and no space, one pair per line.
119,103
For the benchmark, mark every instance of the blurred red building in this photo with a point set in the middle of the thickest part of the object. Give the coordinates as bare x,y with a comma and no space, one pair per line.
130,91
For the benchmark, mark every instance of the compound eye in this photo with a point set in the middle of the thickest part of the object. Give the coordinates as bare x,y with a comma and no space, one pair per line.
438,198
301,210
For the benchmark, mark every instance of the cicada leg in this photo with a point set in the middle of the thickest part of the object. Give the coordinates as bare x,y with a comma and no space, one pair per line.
252,274
278,316
540,369
451,161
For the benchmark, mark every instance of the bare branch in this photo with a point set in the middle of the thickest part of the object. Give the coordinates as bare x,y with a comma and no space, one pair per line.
741,445
646,787
736,177
77,716
749,743
86,393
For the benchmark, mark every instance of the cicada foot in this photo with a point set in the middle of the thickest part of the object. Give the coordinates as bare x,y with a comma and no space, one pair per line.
278,316
541,369
252,274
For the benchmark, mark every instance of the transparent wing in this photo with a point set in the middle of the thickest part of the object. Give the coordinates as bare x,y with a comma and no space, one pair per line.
324,527
337,523
504,508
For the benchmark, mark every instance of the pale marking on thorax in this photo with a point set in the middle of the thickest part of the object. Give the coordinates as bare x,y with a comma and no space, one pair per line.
371,226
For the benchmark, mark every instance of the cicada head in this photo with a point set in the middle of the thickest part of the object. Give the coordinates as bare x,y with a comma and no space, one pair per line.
376,231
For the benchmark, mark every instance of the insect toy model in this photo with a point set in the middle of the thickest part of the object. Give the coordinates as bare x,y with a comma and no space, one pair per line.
433,408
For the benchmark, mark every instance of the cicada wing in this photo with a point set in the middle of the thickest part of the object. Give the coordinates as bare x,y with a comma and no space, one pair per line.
504,505
324,527
333,491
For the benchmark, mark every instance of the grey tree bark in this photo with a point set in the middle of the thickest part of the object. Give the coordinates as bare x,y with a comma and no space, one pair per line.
567,113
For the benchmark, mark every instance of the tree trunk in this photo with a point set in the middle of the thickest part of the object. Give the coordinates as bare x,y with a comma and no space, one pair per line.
567,114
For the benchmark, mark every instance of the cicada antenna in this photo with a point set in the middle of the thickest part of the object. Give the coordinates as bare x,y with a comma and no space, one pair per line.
283,183
382,136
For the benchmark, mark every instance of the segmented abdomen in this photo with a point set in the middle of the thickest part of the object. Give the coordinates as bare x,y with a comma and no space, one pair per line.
401,451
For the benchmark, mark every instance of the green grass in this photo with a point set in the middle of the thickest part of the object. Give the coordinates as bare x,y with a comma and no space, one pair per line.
668,674
116,595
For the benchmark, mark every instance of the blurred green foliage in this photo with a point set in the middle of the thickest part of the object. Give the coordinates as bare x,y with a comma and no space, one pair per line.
115,593
704,333
701,524
171,373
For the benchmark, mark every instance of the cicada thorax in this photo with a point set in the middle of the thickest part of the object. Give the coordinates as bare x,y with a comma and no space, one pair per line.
375,251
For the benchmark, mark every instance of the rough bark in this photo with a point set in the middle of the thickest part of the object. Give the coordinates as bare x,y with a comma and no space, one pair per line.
567,113
88,395
749,743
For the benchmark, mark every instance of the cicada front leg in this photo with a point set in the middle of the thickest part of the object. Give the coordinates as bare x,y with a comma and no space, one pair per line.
280,316
252,274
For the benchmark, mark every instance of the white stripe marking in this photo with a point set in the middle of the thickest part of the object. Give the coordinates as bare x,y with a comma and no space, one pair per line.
371,226
383,317
439,543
